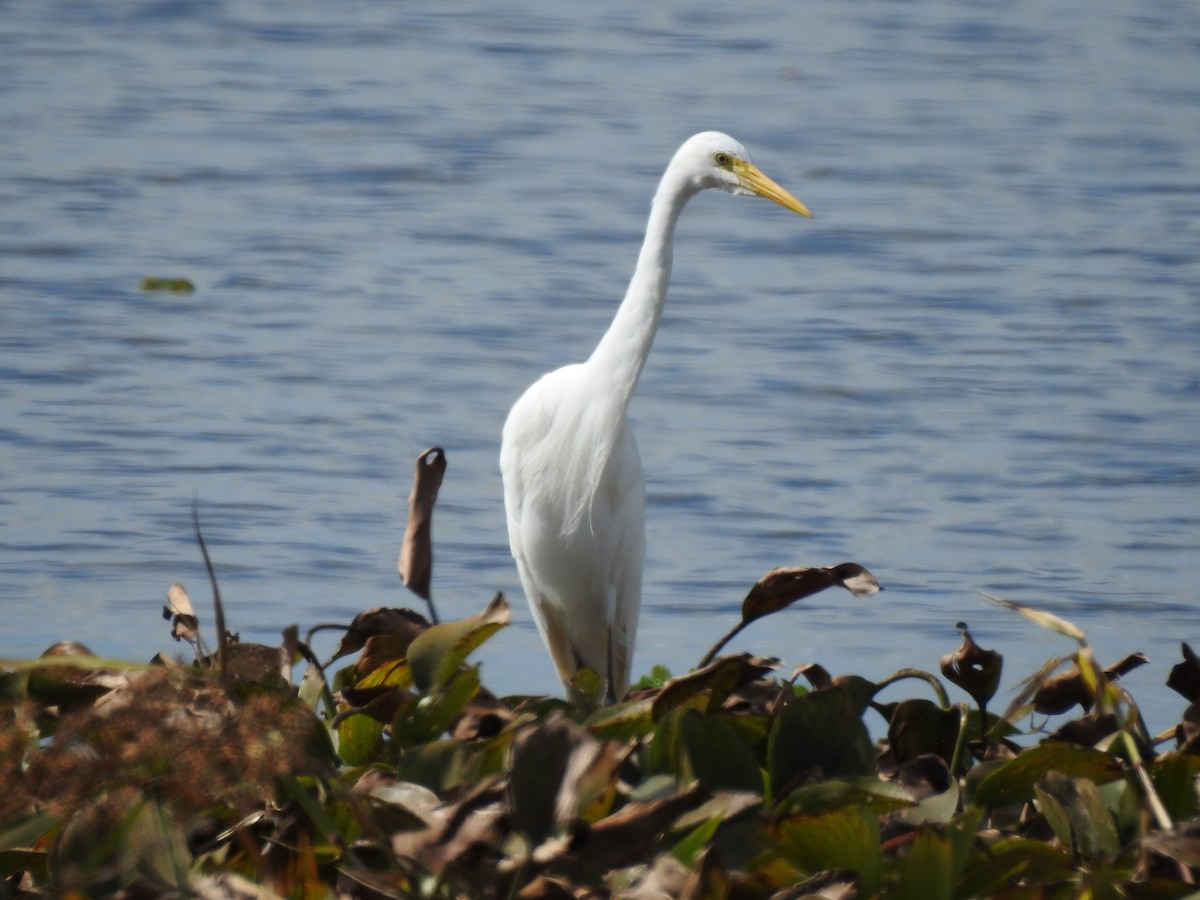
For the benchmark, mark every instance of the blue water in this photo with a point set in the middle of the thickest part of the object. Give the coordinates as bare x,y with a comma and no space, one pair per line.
978,368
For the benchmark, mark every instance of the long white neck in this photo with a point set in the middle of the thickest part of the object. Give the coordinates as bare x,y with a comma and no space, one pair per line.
618,359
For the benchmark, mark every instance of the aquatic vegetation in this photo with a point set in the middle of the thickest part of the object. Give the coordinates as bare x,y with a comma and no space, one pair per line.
390,770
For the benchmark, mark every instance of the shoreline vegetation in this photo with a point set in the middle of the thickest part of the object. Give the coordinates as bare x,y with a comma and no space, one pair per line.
390,770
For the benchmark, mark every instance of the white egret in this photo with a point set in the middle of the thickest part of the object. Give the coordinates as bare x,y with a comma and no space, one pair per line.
573,486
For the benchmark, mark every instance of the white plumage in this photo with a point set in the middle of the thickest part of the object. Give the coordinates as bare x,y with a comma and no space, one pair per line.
573,486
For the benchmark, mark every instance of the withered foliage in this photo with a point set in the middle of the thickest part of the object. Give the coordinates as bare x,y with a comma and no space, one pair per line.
398,774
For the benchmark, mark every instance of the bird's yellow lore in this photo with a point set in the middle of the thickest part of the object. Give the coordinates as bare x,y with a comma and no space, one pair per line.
573,486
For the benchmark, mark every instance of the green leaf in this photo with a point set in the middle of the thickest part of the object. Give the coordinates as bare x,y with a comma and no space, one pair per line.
428,717
843,839
716,681
719,759
817,731
359,733
1035,863
436,653
1077,813
1013,782
622,721
1174,778
918,726
697,841
926,870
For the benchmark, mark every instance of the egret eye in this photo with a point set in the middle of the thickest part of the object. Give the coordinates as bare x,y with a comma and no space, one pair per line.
721,158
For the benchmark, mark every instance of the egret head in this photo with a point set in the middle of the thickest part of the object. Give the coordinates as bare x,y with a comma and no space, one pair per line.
715,160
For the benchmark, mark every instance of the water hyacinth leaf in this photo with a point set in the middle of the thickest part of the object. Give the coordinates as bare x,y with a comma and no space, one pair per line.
382,650
780,588
1092,830
416,551
1054,813
717,757
1013,781
842,839
358,736
541,756
429,717
1185,676
818,731
926,871
624,721
975,670
403,624
369,705
867,792
918,726
630,835
1033,862
718,680
437,652
1174,778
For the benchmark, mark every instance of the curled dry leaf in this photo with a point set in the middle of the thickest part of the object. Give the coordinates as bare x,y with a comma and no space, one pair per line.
399,623
782,587
719,679
975,670
416,552
1185,676
185,626
621,839
1068,689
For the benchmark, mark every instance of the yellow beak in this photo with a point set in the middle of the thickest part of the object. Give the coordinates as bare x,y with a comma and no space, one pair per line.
754,180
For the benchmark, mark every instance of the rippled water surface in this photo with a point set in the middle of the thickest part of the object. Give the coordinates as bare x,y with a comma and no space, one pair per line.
978,368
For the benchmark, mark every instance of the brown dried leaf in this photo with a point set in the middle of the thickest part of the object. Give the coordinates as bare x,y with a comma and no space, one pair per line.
625,837
460,833
185,626
416,552
1069,689
975,670
558,769
719,679
782,587
1185,676
401,623
482,718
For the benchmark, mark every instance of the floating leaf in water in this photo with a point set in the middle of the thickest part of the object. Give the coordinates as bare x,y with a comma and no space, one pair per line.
173,285
416,552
